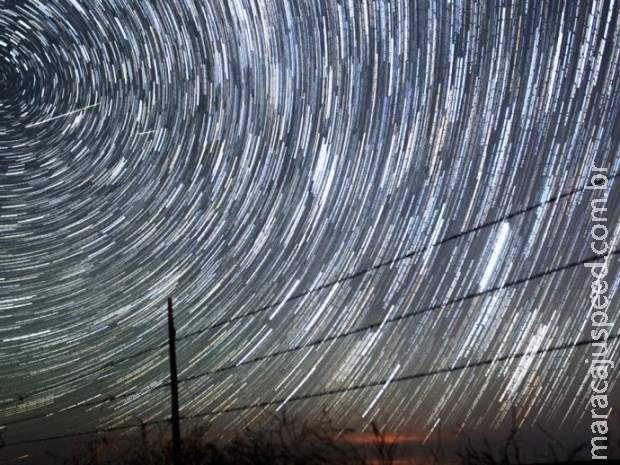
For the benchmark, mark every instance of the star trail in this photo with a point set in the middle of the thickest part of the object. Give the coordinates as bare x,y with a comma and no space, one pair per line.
375,208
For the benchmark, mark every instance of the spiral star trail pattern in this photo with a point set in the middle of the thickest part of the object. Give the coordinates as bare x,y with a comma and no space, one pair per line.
272,166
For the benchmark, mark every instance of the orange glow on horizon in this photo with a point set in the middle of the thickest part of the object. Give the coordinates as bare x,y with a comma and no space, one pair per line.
388,438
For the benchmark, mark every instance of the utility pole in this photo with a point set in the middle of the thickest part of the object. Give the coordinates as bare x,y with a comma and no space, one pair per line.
174,387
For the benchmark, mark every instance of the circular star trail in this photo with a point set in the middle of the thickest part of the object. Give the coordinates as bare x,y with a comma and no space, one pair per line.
376,208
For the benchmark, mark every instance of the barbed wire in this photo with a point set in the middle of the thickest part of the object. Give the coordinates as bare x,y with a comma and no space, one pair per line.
328,392
556,198
365,328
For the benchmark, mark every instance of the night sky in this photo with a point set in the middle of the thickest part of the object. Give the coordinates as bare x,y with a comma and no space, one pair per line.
377,208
